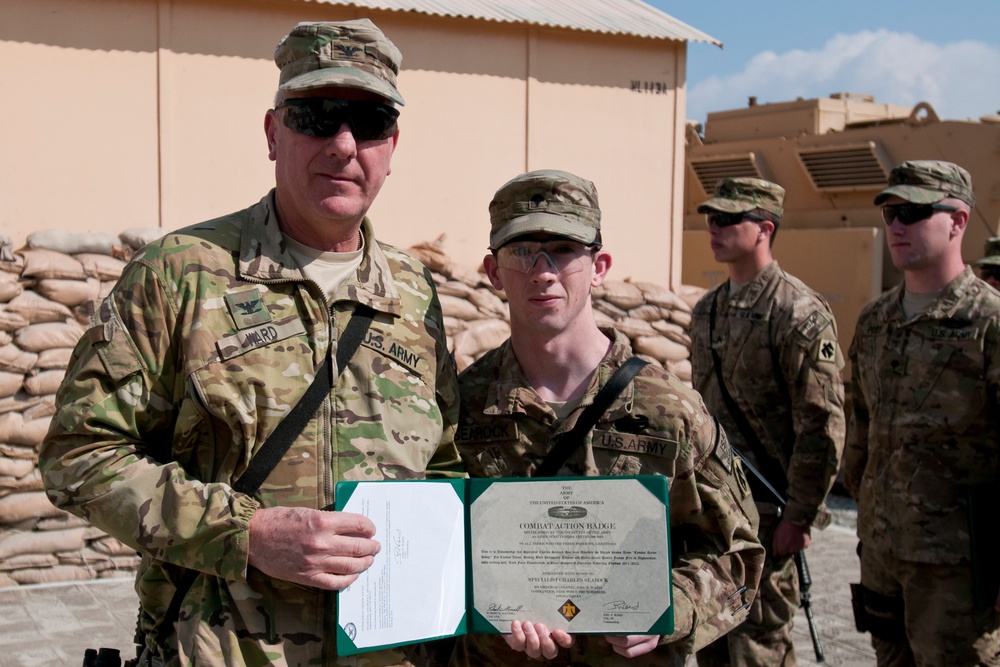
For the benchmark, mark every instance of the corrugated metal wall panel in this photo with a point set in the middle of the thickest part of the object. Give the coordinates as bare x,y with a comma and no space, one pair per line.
622,17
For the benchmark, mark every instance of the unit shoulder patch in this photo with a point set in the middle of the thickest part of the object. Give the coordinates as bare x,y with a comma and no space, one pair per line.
813,325
826,350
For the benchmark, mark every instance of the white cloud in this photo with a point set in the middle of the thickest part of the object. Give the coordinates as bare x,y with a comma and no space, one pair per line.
960,80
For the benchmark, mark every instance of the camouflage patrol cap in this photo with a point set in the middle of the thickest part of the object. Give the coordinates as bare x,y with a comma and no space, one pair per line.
743,194
928,182
348,54
991,252
548,200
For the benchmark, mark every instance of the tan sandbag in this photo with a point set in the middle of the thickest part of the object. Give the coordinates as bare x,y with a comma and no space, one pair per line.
602,319
117,565
10,383
674,332
463,361
61,521
72,243
646,312
49,575
46,407
452,325
5,337
658,295
40,383
680,317
15,360
33,504
19,402
489,303
42,263
682,369
454,288
12,321
14,266
14,430
38,337
17,452
135,238
660,348
6,581
609,309
651,360
110,546
30,482
25,561
10,286
102,267
454,306
481,336
634,328
15,467
432,255
691,294
622,294
55,357
36,308
69,292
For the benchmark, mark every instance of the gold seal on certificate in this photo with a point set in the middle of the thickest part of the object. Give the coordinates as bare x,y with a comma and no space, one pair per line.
584,555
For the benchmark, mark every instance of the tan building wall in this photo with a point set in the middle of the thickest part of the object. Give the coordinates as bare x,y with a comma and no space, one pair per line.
124,113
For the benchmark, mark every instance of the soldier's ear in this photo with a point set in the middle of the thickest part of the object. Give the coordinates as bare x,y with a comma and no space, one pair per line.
491,269
602,264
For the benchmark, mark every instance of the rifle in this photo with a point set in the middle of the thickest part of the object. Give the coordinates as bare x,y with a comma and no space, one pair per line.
805,579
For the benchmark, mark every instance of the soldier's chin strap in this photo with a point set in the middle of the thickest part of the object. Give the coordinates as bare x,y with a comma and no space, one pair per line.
288,429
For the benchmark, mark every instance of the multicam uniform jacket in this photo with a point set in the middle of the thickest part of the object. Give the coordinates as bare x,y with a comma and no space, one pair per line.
655,426
925,421
207,341
777,341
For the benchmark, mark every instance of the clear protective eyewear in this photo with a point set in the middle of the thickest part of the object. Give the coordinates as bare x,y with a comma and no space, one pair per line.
562,256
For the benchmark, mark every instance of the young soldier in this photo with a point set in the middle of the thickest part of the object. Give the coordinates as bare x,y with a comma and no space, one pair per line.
923,450
766,359
546,253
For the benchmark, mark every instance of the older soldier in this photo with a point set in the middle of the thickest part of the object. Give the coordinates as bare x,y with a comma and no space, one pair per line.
989,264
212,335
546,253
923,450
766,359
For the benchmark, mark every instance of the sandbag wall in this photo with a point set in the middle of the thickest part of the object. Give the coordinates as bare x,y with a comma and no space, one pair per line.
49,288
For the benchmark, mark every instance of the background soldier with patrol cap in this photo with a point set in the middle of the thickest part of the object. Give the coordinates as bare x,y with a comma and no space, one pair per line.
923,449
546,253
210,338
989,264
771,342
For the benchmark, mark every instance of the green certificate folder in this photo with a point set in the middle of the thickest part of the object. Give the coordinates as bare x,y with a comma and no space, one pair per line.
589,555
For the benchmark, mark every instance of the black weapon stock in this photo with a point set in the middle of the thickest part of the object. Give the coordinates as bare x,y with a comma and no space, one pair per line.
805,601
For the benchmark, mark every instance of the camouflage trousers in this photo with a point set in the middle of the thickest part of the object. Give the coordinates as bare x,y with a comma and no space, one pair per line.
940,623
765,638
587,651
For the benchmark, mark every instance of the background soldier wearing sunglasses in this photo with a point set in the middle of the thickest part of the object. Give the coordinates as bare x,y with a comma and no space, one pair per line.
923,449
989,264
775,342
212,335
546,254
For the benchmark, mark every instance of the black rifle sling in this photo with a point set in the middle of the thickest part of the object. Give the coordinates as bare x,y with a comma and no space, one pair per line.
773,477
277,444
570,440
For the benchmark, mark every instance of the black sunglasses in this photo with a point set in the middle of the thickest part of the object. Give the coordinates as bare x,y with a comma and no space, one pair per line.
323,117
909,214
723,219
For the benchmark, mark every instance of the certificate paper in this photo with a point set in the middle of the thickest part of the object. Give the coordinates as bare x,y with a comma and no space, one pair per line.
584,555
415,590
580,554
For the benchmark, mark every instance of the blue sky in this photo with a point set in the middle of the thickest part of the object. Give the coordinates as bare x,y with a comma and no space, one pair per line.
945,52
